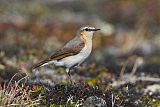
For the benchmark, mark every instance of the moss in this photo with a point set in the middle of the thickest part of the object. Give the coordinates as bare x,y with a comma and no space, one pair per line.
156,102
37,90
92,82
147,101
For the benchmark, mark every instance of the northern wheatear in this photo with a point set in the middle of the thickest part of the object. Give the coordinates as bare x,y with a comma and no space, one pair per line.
72,53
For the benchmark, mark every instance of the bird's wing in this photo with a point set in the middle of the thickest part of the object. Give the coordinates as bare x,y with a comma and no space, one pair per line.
65,52
62,53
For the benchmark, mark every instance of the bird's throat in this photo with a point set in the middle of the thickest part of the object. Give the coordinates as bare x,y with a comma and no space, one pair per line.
87,41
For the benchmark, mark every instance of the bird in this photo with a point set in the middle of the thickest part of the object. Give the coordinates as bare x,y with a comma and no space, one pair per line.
73,53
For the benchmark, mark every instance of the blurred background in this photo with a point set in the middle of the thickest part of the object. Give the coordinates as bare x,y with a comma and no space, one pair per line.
32,30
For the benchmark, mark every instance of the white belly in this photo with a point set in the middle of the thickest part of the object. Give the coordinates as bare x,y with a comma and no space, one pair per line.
77,59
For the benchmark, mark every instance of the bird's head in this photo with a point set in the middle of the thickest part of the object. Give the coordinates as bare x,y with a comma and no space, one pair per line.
88,31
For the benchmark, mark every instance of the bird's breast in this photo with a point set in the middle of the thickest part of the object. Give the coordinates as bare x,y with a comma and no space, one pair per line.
87,49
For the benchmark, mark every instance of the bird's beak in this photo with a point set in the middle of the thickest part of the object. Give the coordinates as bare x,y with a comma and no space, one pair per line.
96,29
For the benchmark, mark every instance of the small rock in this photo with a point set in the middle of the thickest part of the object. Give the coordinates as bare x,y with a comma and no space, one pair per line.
152,88
94,101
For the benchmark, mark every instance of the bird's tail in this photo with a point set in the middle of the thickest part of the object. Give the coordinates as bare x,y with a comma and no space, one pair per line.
40,64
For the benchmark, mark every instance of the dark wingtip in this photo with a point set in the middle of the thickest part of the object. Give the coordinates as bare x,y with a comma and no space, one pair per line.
96,29
35,67
38,65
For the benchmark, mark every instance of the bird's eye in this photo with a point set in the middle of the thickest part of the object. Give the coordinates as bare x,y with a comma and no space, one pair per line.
86,29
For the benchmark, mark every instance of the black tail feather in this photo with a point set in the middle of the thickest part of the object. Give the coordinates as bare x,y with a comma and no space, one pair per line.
39,64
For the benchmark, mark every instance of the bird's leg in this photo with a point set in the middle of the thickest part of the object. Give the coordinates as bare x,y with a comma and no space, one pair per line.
69,75
77,67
